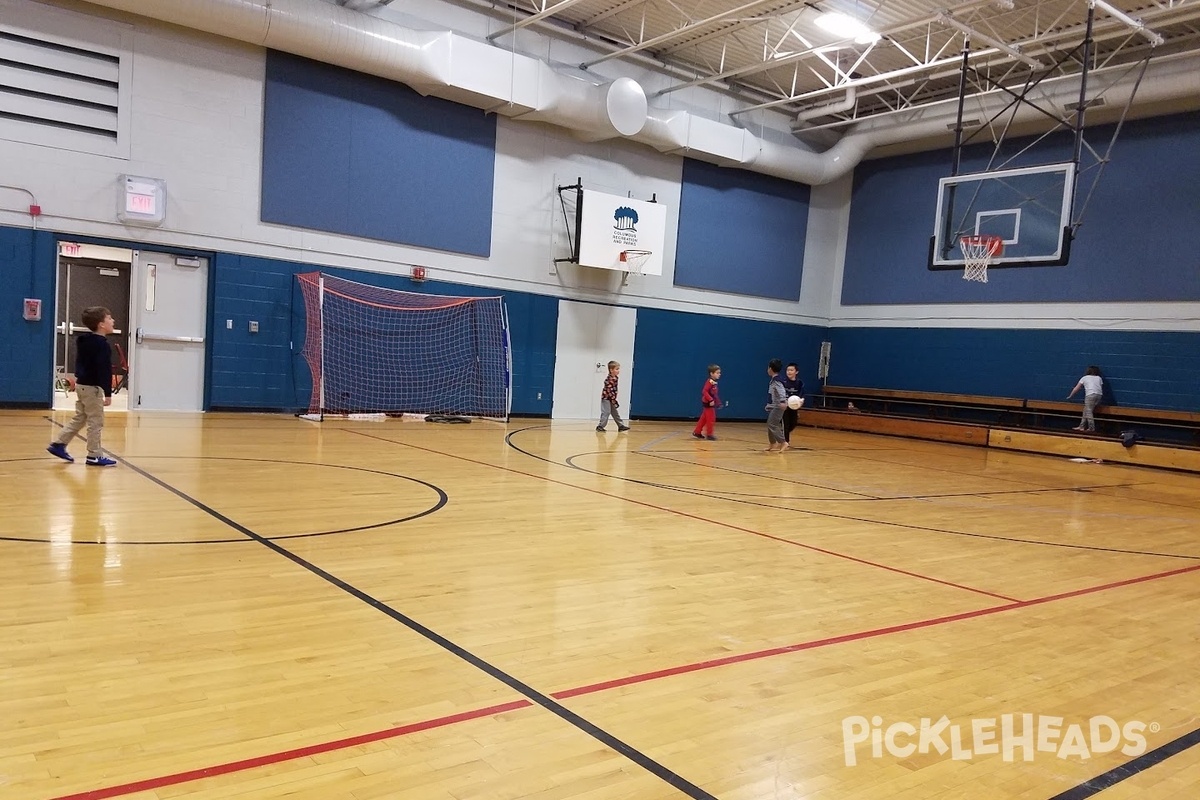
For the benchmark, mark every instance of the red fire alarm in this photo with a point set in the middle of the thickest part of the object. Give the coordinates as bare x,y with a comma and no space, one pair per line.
418,274
33,309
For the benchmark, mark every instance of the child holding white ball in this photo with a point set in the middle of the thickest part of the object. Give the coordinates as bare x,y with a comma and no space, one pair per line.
795,391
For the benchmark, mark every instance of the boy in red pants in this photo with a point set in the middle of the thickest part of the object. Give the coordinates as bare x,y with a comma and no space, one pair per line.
710,401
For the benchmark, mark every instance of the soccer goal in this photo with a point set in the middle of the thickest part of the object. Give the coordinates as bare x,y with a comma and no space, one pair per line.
383,351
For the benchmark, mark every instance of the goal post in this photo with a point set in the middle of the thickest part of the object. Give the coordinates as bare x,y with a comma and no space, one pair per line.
373,350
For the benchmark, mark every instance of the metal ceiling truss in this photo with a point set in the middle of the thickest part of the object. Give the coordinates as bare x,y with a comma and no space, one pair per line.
773,54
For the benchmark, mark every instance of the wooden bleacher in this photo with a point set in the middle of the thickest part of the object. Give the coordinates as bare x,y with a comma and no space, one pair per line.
885,395
1006,423
1127,413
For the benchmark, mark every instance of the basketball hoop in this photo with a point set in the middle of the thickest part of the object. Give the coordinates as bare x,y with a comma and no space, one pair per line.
634,261
978,252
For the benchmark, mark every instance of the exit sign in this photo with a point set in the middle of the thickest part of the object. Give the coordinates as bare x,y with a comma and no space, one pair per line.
141,201
141,204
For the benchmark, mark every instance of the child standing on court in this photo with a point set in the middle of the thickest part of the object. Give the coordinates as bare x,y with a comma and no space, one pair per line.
608,399
776,403
710,401
93,388
794,388
1093,389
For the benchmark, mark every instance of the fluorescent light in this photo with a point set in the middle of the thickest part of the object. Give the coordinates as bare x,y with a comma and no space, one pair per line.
846,27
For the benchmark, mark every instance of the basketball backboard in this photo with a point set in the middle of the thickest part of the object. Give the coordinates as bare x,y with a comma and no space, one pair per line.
1029,208
610,224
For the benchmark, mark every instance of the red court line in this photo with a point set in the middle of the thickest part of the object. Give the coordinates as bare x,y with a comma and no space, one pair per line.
391,733
697,517
852,637
151,784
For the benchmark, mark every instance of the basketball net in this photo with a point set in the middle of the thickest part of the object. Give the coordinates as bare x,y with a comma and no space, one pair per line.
978,252
634,261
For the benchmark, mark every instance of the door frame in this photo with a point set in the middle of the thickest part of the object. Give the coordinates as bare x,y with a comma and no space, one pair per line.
168,249
574,373
157,263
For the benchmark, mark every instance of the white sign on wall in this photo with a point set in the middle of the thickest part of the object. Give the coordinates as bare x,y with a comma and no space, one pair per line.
611,224
141,201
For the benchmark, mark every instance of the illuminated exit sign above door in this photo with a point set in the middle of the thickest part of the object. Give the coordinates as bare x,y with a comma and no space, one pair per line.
141,201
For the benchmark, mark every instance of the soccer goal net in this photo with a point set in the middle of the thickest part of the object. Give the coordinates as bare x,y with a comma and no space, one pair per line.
373,350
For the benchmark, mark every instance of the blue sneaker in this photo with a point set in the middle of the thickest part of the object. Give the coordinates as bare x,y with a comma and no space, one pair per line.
60,450
100,461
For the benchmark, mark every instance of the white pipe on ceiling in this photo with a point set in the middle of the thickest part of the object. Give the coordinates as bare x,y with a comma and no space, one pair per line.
457,68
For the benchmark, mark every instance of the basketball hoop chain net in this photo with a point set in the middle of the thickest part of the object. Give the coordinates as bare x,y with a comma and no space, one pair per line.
978,253
634,261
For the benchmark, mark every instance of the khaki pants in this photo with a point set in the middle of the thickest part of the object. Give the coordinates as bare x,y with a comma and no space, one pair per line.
89,410
1090,402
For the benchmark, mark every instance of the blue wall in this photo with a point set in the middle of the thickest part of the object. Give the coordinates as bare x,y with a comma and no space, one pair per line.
673,350
265,370
1129,247
1144,369
354,154
27,262
740,232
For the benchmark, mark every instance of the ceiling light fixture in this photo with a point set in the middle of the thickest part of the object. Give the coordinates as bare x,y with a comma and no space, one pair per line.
847,27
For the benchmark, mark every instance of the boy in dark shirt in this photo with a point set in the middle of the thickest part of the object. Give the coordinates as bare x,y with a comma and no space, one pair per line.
794,388
93,388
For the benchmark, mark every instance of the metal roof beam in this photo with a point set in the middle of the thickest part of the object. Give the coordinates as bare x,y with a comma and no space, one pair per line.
537,17
797,56
682,31
971,33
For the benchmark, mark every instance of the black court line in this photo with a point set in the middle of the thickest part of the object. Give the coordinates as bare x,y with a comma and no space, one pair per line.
1140,764
659,455
985,451
859,496
677,512
559,710
570,462
848,453
1147,500
924,528
442,499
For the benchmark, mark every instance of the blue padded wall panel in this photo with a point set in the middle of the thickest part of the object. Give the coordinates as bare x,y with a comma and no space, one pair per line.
1150,369
265,370
740,232
673,350
1128,248
358,155
28,260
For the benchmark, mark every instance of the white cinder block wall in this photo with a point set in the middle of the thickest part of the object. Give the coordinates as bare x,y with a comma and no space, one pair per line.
195,121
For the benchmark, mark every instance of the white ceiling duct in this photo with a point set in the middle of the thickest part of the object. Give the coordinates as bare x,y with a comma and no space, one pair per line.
838,107
455,67
438,63
1165,80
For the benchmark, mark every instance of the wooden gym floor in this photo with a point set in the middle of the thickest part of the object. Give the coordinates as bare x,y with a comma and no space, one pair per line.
253,606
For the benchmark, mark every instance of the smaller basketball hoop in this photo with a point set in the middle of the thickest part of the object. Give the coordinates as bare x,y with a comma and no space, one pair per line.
979,252
634,261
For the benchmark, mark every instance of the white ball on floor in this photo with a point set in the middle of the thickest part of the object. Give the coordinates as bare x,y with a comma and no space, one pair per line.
795,402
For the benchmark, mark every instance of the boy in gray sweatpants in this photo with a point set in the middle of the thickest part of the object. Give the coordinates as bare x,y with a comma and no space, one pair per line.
776,404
